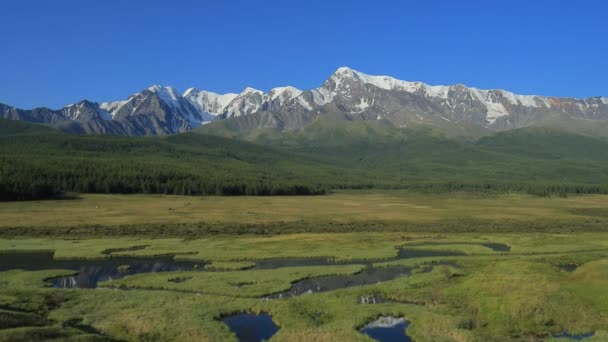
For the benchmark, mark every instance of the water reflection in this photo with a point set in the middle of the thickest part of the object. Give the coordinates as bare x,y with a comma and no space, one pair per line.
251,327
368,276
387,329
91,272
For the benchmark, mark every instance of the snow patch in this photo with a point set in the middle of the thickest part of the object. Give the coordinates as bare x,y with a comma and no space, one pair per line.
545,100
322,96
495,110
284,93
581,106
248,101
491,100
437,91
302,101
363,105
524,100
112,107
382,82
167,94
249,90
208,102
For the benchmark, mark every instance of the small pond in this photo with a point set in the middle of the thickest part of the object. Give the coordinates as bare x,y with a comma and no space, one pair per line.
567,336
251,327
387,329
568,267
495,246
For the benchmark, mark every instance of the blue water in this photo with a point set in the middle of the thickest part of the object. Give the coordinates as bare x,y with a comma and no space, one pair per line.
251,327
368,276
387,329
573,337
91,272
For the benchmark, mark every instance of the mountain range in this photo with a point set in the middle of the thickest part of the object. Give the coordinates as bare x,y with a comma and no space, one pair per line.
350,94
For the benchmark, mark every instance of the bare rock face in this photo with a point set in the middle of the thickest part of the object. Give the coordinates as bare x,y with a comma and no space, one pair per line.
353,94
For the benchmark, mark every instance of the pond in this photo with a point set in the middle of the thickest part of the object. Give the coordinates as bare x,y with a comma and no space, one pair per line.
250,327
567,336
91,272
387,329
369,275
568,267
495,246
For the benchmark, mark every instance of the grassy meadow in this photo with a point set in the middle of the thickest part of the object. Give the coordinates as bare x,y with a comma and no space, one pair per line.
522,294
178,216
550,280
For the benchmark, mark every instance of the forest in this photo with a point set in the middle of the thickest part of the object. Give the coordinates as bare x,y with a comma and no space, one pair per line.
38,162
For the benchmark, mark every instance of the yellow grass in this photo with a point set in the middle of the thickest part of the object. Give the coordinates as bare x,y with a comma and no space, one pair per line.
346,207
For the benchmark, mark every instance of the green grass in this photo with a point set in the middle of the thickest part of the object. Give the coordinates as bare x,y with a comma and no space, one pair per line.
184,216
33,279
161,315
494,299
229,265
516,295
253,283
519,295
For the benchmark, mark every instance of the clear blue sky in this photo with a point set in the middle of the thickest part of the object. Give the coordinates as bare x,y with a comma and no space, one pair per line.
58,52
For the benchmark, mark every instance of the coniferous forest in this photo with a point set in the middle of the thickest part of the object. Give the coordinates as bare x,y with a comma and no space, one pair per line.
38,162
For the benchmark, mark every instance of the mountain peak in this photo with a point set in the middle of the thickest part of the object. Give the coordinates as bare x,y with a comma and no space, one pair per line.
383,82
346,72
249,90
207,101
191,91
80,103
154,88
282,92
167,94
160,88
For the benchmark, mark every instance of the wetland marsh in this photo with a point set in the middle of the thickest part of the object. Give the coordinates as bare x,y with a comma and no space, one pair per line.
324,286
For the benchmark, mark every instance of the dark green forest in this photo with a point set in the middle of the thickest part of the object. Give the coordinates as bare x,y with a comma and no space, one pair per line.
39,162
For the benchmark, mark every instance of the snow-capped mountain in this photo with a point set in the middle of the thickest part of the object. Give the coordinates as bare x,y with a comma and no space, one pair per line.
358,96
400,102
345,81
85,110
253,100
209,103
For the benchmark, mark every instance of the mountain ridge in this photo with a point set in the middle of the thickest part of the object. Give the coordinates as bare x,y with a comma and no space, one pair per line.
161,110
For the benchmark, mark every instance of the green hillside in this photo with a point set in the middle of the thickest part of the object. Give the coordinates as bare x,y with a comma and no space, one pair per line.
18,127
48,162
542,159
331,153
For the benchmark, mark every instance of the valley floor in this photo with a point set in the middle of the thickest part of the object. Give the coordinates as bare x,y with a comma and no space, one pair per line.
184,216
452,283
